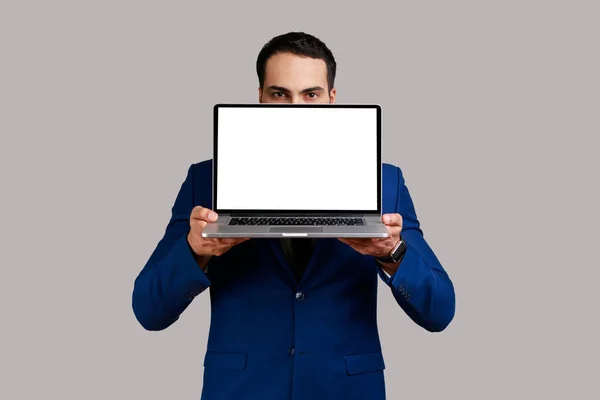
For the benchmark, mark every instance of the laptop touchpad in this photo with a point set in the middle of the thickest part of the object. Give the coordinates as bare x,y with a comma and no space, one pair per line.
290,229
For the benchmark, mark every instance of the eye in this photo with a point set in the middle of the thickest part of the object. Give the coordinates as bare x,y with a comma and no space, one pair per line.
313,95
278,94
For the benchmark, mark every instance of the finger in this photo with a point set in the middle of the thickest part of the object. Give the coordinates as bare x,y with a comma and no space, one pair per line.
380,243
203,214
359,245
344,240
229,240
393,232
198,224
392,219
382,239
220,249
356,242
360,241
225,245
240,240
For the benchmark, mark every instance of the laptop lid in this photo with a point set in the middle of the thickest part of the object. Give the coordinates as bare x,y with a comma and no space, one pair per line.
297,159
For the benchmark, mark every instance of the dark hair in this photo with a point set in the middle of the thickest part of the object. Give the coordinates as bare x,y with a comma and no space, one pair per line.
298,43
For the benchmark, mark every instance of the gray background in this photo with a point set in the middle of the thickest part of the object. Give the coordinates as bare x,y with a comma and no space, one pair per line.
491,109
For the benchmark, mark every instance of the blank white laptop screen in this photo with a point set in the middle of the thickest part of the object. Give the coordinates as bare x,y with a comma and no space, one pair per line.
297,158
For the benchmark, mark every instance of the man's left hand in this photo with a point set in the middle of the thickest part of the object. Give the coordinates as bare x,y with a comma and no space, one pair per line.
380,247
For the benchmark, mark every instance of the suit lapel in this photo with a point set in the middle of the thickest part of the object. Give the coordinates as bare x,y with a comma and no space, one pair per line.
275,246
321,250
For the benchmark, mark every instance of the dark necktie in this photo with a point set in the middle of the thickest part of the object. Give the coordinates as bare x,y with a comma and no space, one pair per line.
301,251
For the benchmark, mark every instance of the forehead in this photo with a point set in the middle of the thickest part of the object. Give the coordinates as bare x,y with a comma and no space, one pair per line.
295,72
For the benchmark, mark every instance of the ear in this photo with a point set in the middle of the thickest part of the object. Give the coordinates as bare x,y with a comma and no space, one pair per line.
332,96
260,95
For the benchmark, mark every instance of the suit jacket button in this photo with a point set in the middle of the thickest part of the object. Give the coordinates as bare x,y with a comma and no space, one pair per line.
299,296
292,351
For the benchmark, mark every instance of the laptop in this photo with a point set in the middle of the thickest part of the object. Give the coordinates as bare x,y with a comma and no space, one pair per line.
297,170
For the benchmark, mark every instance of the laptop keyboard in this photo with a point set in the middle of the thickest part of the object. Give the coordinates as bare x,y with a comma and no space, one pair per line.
336,221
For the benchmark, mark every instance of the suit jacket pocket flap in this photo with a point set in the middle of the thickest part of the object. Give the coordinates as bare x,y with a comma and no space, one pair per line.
362,363
225,360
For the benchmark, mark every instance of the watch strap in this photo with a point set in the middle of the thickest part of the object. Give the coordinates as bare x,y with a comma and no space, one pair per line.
396,254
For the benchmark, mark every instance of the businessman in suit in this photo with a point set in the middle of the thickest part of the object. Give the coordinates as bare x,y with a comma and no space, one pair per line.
296,318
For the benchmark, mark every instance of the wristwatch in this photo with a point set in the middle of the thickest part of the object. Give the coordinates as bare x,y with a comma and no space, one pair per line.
396,254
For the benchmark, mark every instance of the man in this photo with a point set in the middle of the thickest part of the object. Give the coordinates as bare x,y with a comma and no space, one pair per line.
292,319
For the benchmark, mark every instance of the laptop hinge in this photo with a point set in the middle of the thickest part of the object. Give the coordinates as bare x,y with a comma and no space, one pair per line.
303,214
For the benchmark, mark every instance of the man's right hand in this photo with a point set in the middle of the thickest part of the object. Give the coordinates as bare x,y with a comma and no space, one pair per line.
205,248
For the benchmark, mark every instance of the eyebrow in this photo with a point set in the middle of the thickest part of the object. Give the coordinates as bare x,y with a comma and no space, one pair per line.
313,89
310,89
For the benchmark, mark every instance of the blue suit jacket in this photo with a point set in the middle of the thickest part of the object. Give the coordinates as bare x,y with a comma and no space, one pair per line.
271,338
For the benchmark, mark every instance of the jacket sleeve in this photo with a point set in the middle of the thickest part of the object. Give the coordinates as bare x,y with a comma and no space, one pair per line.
171,277
420,285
